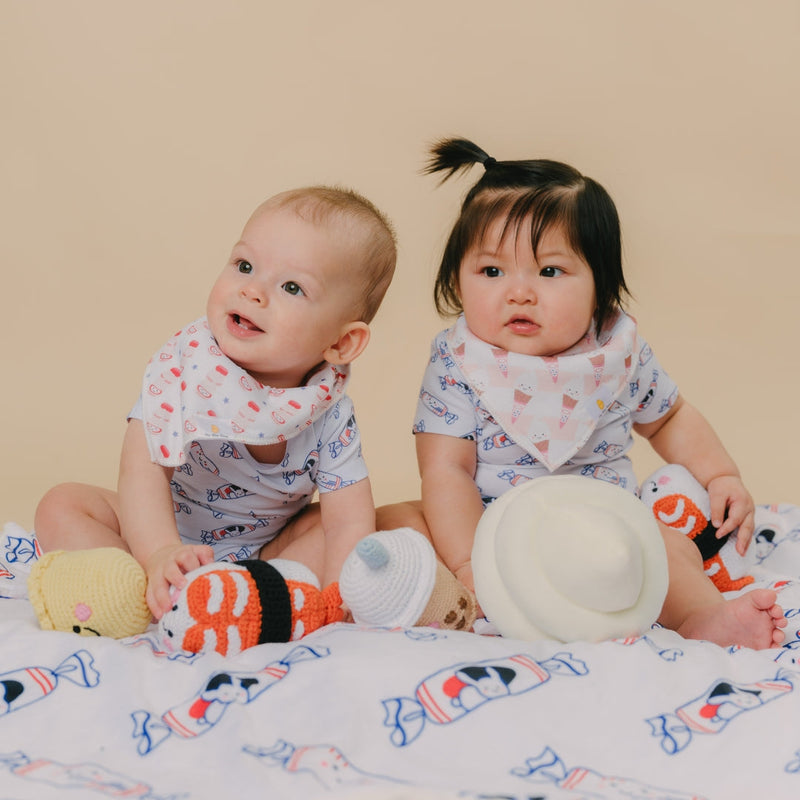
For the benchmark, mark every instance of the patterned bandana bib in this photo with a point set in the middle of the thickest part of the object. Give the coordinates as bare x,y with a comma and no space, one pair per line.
192,391
548,405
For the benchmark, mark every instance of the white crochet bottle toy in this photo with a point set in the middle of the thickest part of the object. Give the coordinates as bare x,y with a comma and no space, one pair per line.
393,579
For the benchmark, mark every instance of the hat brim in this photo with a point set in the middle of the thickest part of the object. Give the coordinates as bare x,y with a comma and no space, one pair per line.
569,558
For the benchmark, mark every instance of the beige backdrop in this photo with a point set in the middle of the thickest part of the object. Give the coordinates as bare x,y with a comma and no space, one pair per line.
136,139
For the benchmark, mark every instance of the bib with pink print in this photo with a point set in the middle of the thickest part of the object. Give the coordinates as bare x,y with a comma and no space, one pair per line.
548,405
192,391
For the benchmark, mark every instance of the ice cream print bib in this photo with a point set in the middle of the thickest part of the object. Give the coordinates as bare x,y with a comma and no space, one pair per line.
192,391
548,405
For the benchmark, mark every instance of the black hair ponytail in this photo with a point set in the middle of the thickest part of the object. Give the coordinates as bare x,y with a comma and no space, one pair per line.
454,155
549,193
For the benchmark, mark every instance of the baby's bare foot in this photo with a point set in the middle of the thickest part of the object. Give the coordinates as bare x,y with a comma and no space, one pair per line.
752,620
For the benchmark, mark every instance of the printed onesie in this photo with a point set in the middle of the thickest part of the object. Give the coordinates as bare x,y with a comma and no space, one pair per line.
222,496
533,416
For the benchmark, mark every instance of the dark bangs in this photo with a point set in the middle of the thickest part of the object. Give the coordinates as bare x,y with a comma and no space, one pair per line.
477,214
579,205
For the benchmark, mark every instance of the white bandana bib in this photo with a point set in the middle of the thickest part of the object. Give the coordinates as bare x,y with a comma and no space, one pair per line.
548,405
191,390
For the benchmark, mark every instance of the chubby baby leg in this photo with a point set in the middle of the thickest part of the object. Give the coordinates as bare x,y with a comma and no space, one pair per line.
752,620
696,609
407,514
302,540
77,516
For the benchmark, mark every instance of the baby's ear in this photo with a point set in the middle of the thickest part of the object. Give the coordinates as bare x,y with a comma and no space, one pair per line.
353,338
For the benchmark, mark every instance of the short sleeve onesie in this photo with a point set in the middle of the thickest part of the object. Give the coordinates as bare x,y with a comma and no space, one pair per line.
450,404
223,497
200,410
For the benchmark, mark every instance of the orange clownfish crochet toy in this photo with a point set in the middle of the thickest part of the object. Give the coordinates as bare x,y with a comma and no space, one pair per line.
227,607
680,501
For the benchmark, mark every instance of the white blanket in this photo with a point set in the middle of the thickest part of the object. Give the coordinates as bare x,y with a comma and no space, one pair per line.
411,713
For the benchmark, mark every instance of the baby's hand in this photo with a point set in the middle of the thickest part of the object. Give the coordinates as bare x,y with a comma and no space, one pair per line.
167,567
727,492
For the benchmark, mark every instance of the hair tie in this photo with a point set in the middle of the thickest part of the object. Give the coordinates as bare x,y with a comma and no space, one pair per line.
489,163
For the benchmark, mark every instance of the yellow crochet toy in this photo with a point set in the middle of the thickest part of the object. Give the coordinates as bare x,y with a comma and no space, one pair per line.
96,592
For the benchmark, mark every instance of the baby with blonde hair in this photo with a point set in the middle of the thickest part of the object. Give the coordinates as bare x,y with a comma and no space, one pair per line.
243,414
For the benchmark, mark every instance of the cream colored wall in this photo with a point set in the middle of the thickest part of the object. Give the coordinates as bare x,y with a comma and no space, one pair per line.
137,138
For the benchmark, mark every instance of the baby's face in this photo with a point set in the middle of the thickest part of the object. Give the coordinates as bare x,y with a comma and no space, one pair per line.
284,296
538,305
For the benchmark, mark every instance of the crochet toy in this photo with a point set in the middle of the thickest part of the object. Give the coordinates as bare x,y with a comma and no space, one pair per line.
96,592
569,558
227,607
678,500
393,579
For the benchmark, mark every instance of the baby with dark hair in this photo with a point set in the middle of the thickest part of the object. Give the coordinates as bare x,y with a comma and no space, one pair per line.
544,373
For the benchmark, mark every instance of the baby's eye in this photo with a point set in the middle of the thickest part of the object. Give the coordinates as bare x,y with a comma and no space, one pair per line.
292,288
551,272
492,272
245,267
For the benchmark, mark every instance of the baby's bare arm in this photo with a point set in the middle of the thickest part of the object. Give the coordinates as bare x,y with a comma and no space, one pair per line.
684,436
451,502
347,516
147,521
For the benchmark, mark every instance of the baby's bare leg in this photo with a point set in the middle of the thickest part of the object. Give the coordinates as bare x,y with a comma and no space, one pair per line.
695,608
303,538
77,516
752,620
402,515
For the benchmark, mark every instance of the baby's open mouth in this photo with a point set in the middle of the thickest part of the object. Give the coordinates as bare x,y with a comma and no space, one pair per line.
244,323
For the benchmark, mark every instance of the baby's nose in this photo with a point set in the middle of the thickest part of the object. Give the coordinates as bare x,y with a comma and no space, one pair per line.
522,291
254,293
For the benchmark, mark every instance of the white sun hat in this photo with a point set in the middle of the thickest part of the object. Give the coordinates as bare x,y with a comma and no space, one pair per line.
569,558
